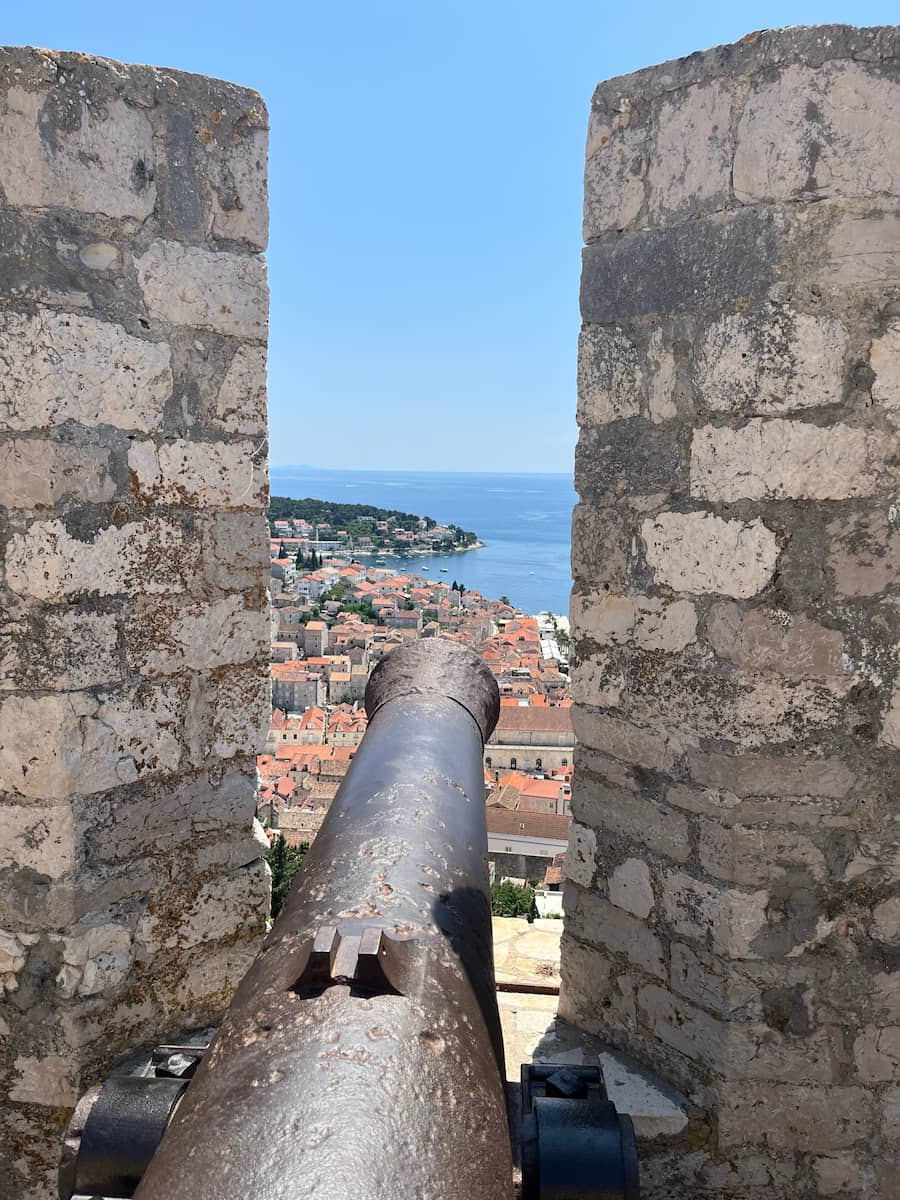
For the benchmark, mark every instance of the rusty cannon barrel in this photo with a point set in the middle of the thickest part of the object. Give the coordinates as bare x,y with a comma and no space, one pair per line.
361,1057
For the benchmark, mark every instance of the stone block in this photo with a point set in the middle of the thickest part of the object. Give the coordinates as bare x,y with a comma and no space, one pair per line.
198,474
890,728
186,285
51,1079
864,558
610,772
765,775
699,552
38,839
96,959
241,400
770,360
794,1118
148,821
884,360
657,751
630,887
59,150
862,252
586,982
764,639
630,456
739,1050
616,164
704,264
601,544
656,1109
240,208
754,857
876,1053
690,166
65,650
890,1115
609,376
596,679
841,1175
235,549
886,921
77,742
885,996
662,381
232,714
629,815
593,919
221,908
151,557
789,460
35,473
726,920
748,710
651,622
813,131
62,367
580,856
709,981
165,639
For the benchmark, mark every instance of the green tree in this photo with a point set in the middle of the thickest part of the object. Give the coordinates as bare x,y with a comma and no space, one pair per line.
510,900
505,600
282,553
284,862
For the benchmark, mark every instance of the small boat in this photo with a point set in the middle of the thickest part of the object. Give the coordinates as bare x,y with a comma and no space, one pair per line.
443,570
424,568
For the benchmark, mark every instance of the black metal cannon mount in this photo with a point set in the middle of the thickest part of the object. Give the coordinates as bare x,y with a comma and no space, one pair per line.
361,1057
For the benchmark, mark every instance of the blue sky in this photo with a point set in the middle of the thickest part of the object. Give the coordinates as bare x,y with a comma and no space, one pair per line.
426,199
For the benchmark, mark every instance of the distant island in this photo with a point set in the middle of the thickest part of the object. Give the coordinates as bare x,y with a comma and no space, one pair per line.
364,529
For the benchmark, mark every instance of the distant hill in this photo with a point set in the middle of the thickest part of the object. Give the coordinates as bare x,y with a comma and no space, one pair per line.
282,508
360,520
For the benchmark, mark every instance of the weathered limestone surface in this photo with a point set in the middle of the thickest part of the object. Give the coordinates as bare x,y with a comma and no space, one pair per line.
133,649
733,904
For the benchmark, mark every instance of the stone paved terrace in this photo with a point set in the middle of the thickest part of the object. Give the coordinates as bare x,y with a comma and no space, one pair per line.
528,954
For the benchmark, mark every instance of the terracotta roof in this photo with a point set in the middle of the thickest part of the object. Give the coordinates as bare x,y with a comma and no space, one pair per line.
541,825
536,720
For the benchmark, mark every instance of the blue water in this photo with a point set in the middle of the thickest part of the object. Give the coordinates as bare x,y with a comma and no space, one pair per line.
523,519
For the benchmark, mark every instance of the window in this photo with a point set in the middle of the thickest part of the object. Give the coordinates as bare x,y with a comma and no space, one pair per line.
565,762
522,825
512,764
538,763
488,760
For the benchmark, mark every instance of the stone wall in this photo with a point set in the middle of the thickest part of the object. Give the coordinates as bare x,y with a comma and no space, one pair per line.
134,692
733,916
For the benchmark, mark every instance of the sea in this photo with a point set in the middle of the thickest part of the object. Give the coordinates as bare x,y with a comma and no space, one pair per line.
523,519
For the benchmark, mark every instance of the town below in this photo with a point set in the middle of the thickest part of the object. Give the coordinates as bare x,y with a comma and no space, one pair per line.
334,618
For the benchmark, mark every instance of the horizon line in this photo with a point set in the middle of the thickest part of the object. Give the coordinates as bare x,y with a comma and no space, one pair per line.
412,471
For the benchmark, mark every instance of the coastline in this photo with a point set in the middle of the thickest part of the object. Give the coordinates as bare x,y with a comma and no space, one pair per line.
417,553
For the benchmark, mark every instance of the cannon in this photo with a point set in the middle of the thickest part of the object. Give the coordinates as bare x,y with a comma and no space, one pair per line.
361,1057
